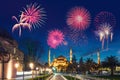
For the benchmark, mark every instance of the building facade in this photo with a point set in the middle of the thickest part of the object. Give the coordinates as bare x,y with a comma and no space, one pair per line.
60,63
7,68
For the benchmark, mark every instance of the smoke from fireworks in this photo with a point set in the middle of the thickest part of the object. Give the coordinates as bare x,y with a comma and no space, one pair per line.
78,18
55,38
32,16
76,36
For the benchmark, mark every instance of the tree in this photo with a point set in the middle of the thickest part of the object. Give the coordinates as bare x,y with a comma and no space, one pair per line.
72,67
81,67
90,64
110,62
33,51
74,63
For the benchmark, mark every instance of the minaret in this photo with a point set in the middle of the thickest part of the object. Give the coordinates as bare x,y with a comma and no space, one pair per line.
71,55
49,57
98,55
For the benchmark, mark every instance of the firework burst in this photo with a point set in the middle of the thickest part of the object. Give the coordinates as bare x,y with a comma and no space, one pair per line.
104,32
55,38
78,18
34,15
105,17
106,28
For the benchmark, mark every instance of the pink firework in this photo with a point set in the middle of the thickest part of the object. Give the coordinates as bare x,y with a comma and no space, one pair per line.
55,38
105,17
78,18
34,15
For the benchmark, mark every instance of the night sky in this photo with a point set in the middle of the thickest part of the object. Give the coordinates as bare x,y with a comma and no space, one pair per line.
56,11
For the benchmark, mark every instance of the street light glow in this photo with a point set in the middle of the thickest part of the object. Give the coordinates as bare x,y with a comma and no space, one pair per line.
16,65
31,65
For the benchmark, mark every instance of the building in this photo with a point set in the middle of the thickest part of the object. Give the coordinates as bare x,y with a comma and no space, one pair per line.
60,63
7,68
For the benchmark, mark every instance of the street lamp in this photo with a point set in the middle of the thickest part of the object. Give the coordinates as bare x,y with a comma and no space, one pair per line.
31,66
78,68
37,69
16,65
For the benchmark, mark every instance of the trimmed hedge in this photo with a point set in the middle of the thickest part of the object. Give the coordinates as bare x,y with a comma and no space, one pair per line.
114,77
71,78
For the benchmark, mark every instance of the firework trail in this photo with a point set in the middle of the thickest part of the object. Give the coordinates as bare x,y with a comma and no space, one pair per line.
104,21
111,36
55,38
19,25
101,36
32,16
78,18
104,32
107,31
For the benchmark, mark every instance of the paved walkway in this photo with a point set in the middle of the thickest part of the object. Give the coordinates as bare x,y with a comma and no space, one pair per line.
57,77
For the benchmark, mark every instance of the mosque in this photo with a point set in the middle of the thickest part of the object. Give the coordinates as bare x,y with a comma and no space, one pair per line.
60,63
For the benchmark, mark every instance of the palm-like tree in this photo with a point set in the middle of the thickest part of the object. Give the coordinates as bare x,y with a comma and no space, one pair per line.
81,66
110,62
90,64
34,49
72,67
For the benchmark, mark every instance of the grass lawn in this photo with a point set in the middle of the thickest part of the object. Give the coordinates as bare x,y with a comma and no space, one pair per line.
70,78
115,77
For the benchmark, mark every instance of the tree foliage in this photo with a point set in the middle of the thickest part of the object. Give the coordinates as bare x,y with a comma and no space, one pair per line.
110,62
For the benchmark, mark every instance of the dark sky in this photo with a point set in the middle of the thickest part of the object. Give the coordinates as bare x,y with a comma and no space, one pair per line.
56,11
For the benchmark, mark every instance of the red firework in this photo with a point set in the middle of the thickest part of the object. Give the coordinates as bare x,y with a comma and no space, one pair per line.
78,18
55,38
33,14
105,17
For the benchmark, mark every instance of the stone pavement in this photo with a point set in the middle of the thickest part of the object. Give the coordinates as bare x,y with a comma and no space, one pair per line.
57,77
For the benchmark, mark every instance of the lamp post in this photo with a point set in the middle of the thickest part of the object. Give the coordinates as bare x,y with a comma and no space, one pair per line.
31,66
16,66
37,69
78,68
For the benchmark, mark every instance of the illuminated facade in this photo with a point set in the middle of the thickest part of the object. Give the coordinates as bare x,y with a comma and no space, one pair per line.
60,64
15,56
